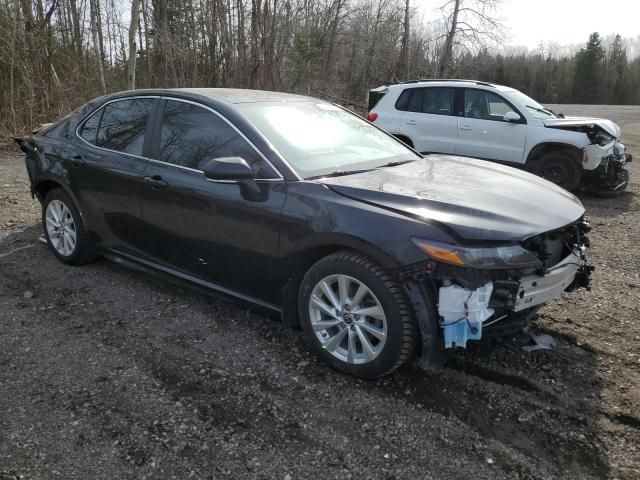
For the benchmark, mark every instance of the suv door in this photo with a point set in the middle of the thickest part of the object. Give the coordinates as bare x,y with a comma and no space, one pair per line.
482,132
216,231
429,118
106,171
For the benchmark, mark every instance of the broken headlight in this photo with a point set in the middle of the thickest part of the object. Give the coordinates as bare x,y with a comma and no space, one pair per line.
604,138
506,256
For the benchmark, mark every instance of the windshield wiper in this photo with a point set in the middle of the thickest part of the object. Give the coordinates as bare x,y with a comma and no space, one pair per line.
339,173
395,164
541,110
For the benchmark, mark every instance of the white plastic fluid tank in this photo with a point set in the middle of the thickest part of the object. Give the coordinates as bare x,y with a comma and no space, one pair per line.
463,312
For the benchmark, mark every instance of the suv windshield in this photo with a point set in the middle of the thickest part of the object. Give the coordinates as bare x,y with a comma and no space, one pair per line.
318,138
530,104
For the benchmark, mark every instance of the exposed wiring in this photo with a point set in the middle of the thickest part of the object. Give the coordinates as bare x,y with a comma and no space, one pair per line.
452,323
495,321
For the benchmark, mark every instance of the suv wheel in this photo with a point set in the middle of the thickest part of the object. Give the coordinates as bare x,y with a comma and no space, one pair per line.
63,229
355,316
559,168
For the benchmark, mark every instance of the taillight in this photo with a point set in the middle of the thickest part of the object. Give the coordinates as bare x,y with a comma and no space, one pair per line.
372,116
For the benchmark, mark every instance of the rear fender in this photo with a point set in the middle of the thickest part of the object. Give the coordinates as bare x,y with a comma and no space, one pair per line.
30,148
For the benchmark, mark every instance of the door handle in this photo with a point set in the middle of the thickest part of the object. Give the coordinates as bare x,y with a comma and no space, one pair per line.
465,127
77,160
156,181
411,122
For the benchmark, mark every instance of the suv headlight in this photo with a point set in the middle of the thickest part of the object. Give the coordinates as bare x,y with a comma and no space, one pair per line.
507,256
604,139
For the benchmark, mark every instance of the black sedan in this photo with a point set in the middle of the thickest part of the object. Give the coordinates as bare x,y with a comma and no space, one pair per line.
303,210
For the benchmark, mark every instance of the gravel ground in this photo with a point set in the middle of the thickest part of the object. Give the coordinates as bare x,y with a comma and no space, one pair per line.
110,373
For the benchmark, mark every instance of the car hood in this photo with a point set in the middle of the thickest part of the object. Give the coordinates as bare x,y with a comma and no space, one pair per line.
473,200
607,125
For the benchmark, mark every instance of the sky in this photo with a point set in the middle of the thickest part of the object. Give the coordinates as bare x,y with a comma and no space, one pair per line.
565,22
568,22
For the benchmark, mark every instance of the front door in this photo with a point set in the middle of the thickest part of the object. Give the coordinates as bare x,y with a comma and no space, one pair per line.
223,232
482,132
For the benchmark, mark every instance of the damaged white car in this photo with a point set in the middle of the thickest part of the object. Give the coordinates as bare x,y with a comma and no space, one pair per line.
493,122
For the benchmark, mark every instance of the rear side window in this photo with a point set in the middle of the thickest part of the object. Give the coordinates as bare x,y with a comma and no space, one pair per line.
190,135
432,100
119,125
123,125
90,128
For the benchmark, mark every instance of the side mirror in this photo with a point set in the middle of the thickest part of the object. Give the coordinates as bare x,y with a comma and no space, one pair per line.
227,168
512,117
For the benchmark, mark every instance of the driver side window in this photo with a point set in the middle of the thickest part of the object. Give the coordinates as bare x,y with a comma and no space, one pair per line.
190,135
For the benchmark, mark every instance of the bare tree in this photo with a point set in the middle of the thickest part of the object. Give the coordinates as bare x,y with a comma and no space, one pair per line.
403,63
469,22
131,64
95,28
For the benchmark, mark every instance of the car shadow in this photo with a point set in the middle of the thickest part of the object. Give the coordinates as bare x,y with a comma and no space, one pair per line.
615,205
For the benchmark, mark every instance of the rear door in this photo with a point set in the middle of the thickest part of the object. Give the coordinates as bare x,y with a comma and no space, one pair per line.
429,118
106,171
482,132
223,232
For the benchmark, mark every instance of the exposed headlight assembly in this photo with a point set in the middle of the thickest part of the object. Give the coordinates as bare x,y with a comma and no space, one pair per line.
507,256
604,139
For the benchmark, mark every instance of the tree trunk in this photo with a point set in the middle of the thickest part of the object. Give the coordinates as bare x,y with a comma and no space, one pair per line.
447,52
131,65
402,68
96,44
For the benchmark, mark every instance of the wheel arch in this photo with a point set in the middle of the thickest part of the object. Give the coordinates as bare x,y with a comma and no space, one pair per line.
297,263
404,138
42,188
545,147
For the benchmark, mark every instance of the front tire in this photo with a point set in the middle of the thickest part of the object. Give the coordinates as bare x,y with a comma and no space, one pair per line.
64,230
559,168
356,316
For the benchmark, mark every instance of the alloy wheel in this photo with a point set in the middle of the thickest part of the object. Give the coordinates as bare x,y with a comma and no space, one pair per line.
61,228
347,319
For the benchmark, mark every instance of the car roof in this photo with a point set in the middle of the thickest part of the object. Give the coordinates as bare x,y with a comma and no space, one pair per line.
229,95
447,83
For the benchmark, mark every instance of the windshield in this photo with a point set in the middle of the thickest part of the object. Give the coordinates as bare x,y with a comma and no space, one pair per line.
318,138
534,107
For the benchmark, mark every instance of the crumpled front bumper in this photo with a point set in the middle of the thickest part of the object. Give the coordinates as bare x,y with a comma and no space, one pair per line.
610,176
535,289
597,156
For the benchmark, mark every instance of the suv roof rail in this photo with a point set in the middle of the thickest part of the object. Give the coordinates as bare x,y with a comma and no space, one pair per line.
477,82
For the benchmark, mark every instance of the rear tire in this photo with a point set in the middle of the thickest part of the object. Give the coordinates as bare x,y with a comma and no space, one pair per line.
356,316
405,140
64,230
559,168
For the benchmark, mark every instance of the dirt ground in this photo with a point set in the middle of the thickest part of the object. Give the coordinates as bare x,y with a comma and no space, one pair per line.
107,373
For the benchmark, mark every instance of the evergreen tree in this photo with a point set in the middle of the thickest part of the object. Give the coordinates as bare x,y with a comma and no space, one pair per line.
619,88
587,82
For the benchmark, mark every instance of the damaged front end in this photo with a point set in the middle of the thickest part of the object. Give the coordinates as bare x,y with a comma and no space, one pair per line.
496,290
604,157
610,176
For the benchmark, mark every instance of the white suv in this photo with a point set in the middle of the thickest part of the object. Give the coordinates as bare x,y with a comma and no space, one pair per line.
493,122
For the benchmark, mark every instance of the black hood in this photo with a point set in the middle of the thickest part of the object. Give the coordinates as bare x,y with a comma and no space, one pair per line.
474,200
